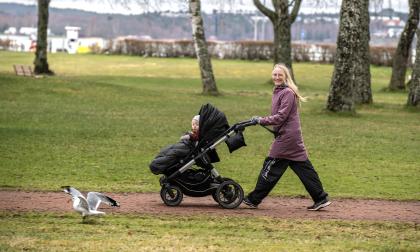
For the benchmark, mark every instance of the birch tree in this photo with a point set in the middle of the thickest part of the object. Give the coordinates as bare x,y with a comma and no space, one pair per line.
198,36
363,90
414,88
342,88
200,44
401,55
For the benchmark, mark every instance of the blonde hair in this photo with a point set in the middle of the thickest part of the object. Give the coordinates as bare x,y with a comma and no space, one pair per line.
290,83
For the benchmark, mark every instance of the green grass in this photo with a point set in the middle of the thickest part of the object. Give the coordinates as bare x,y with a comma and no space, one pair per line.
102,119
65,232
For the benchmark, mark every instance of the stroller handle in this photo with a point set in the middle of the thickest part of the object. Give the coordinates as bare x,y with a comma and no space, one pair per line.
244,124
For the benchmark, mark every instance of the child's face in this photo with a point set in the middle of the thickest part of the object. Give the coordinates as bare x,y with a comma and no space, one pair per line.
194,125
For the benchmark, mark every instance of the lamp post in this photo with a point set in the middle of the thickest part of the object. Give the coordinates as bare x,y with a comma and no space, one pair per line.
256,19
216,23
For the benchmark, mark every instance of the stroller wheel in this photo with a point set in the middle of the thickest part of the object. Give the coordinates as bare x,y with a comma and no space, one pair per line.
214,195
171,195
229,194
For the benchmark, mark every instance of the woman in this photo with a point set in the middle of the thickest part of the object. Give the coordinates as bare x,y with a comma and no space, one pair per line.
288,148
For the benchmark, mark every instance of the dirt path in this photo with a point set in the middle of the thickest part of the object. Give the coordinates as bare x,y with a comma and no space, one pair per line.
277,207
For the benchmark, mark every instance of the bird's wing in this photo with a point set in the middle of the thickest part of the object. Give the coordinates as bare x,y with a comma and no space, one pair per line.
95,198
72,191
83,203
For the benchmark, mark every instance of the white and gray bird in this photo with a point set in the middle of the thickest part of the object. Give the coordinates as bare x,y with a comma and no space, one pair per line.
90,205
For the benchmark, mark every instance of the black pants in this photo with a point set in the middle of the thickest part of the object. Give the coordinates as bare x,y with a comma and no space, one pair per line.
274,168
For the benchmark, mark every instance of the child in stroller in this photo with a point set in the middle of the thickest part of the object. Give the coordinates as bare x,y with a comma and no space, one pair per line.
187,166
195,126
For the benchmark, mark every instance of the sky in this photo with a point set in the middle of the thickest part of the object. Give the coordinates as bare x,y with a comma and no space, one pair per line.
104,6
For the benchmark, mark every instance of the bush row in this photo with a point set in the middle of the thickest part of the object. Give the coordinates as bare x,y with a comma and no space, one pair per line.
245,50
4,44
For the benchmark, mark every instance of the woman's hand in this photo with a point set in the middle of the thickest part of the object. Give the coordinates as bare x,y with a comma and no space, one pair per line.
256,119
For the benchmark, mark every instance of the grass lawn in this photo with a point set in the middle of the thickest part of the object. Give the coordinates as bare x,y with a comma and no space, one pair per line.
99,122
65,232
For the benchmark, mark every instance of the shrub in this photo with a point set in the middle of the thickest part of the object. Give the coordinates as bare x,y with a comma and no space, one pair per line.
245,50
381,55
5,44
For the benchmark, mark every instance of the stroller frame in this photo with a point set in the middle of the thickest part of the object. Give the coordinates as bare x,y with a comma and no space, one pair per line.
228,193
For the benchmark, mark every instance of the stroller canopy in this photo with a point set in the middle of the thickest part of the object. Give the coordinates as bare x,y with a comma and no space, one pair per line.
212,123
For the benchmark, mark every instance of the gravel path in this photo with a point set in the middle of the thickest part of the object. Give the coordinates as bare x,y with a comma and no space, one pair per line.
276,207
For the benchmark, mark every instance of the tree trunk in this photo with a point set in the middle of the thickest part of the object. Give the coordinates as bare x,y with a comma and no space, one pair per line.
414,93
40,62
204,62
282,21
342,89
363,91
400,59
282,44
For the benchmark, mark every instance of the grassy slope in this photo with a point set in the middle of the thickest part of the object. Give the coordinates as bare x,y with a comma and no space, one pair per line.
54,232
99,122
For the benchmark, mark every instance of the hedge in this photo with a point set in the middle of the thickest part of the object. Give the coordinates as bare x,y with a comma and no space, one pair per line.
244,50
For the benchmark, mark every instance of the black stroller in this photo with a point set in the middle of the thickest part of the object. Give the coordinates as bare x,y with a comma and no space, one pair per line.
176,162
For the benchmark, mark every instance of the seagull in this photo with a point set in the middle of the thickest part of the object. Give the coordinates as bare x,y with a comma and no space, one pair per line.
90,205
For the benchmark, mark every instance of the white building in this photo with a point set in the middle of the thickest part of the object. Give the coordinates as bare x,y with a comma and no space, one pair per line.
56,44
18,43
26,41
10,31
72,37
30,31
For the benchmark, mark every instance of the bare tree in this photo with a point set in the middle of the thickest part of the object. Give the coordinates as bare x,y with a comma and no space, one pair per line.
414,87
282,21
342,89
200,44
41,62
400,59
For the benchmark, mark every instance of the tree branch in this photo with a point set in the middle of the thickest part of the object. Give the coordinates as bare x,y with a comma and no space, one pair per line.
266,11
295,11
291,3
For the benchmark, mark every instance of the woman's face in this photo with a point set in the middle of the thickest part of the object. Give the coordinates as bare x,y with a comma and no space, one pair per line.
278,76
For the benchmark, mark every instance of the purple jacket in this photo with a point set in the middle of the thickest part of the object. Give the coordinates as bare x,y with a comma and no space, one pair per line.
285,120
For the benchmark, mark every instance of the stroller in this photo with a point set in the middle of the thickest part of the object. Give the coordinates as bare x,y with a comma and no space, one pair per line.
176,162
